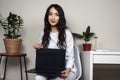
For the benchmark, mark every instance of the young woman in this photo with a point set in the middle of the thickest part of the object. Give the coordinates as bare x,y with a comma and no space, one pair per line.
57,35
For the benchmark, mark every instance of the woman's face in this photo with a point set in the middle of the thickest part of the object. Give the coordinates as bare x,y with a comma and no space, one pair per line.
53,17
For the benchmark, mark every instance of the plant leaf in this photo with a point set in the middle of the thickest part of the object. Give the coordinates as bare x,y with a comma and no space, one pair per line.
76,35
88,30
91,35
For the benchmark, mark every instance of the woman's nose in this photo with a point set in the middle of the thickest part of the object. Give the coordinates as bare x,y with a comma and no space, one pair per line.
53,17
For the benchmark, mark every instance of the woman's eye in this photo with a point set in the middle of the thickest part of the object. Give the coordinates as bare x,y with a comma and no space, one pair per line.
57,14
50,14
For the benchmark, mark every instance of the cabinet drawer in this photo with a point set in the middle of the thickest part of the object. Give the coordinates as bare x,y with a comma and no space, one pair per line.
106,59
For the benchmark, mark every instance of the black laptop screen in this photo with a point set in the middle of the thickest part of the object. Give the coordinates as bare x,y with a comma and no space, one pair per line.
50,61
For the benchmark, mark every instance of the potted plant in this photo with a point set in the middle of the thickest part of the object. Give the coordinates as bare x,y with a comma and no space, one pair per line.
12,25
86,36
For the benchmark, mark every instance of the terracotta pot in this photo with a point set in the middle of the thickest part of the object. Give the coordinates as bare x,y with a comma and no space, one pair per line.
12,46
86,47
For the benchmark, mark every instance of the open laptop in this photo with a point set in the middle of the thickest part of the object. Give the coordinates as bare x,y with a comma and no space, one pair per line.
50,61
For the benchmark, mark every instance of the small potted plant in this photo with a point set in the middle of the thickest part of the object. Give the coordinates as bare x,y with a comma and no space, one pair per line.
86,36
12,25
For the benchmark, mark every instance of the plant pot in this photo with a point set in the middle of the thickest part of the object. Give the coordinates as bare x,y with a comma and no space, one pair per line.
12,46
86,47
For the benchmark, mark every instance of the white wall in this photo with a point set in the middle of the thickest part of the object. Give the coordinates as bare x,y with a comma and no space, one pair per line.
102,15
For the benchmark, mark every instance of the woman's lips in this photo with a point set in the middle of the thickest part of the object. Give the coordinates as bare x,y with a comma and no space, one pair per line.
53,21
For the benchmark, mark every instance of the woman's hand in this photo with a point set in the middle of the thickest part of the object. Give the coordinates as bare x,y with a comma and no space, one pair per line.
65,73
37,46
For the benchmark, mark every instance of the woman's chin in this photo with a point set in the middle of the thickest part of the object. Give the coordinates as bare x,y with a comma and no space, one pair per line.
53,25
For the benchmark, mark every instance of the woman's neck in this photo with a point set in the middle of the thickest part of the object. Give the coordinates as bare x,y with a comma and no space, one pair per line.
54,29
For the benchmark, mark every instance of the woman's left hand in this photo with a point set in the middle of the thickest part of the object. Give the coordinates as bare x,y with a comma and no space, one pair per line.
65,73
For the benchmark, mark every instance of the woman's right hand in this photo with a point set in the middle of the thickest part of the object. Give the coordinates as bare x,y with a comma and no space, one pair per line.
37,46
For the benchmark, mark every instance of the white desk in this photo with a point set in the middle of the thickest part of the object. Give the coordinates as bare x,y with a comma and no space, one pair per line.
89,58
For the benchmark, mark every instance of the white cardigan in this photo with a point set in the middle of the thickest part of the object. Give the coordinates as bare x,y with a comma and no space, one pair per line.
69,48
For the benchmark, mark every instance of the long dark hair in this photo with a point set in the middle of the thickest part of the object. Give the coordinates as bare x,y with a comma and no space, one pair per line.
61,26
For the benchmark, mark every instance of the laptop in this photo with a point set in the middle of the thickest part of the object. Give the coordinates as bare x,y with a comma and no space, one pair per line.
50,61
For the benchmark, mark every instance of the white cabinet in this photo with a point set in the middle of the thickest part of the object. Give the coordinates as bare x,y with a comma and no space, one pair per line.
89,58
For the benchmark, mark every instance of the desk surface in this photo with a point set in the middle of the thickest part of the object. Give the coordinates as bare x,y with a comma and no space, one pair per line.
13,55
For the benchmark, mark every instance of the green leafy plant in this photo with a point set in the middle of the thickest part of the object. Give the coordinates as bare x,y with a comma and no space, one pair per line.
86,35
12,25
